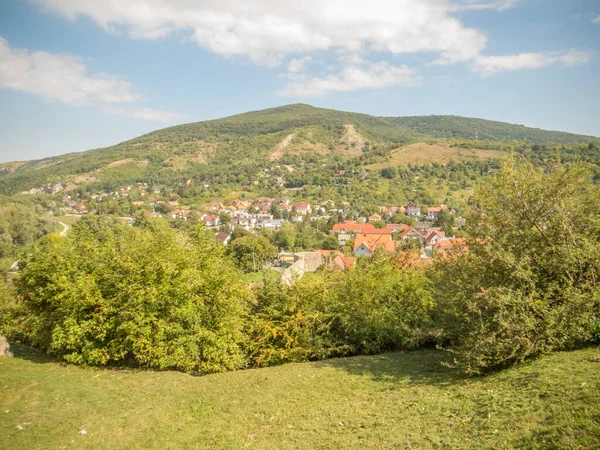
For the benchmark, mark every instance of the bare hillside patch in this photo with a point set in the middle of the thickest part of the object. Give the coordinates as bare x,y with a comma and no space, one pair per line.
423,153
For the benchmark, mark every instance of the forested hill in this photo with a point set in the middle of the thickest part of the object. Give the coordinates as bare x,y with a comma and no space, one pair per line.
456,127
234,150
285,119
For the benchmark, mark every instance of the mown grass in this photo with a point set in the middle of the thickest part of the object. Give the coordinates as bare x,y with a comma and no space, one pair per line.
396,400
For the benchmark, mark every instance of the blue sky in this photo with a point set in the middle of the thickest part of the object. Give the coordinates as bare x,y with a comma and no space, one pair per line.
77,75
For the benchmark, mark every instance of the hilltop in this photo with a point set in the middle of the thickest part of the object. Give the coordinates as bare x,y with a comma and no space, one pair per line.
234,149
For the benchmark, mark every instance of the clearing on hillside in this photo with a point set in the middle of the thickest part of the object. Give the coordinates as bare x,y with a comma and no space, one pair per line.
423,153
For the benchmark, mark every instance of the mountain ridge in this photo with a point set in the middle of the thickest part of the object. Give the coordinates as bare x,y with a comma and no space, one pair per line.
241,143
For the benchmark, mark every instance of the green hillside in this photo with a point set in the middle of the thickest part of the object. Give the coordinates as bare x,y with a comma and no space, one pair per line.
404,400
232,151
456,127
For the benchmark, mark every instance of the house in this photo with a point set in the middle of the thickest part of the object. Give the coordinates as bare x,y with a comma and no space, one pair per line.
413,210
373,218
397,227
411,233
452,245
343,238
366,244
422,227
433,213
436,235
302,208
212,221
223,237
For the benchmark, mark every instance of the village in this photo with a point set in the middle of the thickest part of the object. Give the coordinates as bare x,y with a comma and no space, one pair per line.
357,236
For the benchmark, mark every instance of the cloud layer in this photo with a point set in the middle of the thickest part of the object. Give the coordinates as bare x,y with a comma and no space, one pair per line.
64,78
58,77
488,65
276,32
267,30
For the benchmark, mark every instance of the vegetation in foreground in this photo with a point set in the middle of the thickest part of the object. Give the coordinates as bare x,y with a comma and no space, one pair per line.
523,285
395,400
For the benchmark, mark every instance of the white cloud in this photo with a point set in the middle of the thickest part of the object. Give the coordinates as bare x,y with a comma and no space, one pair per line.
596,20
297,64
357,74
58,77
64,78
488,65
268,30
150,114
498,5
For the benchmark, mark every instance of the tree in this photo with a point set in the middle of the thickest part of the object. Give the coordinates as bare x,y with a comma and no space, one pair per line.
251,252
330,243
275,211
225,218
285,238
445,220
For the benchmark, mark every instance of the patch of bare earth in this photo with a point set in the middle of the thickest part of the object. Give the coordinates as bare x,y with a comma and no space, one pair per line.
192,152
352,140
279,148
11,166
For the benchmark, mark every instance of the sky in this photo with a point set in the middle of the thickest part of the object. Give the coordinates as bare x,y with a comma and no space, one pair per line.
77,75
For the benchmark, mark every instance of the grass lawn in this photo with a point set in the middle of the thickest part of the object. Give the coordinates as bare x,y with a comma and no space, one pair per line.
395,400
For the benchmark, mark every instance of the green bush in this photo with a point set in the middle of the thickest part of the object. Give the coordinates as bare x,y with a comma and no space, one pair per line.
379,306
528,285
154,297
291,323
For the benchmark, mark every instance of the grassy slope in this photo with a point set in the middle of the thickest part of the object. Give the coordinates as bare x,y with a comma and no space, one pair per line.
423,153
396,400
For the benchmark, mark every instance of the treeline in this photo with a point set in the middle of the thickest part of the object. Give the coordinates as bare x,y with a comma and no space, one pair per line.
524,284
21,223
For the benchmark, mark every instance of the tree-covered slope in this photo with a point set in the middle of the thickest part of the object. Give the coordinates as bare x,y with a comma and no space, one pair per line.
448,127
233,150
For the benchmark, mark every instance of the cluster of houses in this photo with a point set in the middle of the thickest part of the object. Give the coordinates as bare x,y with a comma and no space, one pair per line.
367,238
366,234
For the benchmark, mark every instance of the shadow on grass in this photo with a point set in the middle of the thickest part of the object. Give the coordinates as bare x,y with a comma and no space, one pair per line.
410,367
31,354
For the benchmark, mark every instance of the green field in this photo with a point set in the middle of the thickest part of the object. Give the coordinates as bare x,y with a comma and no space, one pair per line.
395,400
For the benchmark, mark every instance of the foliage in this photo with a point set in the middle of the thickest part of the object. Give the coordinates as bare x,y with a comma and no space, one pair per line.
290,323
108,293
380,307
465,128
528,286
251,252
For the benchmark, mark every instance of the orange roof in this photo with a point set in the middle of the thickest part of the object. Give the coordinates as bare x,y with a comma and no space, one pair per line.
360,228
343,262
374,241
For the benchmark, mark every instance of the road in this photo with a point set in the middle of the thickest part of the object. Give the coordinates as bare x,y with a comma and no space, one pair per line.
65,229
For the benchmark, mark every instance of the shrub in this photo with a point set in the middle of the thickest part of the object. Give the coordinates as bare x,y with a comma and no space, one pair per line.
155,297
528,286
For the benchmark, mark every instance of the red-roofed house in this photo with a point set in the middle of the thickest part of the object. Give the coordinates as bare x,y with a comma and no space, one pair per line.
302,208
366,244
